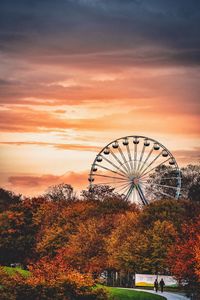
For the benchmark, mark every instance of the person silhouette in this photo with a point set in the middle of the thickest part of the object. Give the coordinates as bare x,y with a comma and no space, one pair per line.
162,284
156,285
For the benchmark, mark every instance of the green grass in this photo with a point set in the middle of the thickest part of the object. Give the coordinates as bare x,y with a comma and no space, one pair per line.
11,271
124,294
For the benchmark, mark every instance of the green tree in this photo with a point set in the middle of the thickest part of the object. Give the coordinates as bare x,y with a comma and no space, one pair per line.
8,199
18,232
174,211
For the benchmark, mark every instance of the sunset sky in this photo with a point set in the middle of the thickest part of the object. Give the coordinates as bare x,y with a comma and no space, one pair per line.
77,74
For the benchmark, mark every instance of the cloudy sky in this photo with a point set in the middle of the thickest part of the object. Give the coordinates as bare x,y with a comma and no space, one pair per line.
77,74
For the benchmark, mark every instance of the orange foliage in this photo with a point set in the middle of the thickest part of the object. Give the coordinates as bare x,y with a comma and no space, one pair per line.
57,222
50,272
86,248
10,222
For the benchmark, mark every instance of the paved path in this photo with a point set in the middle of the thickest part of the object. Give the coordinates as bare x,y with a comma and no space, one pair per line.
167,295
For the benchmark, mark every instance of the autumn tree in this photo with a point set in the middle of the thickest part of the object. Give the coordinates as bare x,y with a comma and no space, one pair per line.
165,176
86,249
183,257
134,250
98,193
49,279
107,201
194,191
159,182
127,248
197,256
172,210
60,192
12,241
160,237
8,199
17,237
190,182
18,231
57,221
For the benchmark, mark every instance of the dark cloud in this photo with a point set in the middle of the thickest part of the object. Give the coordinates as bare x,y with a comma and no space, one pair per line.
59,29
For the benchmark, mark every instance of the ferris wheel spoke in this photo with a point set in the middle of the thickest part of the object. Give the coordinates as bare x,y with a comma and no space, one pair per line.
141,156
164,178
107,176
161,173
125,186
158,182
135,157
169,178
151,163
165,194
162,185
143,174
130,158
110,182
147,158
125,190
105,168
119,161
110,162
124,159
121,186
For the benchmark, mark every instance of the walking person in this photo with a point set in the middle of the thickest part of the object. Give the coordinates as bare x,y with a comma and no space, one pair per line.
162,284
156,285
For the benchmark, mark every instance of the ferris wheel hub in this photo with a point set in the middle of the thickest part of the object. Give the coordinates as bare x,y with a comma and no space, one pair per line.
136,181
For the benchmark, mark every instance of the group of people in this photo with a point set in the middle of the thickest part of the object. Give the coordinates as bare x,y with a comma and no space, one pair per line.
161,284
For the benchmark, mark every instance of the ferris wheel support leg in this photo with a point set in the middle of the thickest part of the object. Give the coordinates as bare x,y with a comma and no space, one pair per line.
142,197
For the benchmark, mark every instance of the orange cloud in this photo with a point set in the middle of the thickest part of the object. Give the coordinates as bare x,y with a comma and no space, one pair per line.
29,120
55,145
37,184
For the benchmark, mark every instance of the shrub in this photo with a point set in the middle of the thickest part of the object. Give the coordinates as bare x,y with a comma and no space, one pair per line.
43,284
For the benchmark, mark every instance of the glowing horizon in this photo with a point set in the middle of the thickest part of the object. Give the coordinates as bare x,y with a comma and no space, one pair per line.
77,75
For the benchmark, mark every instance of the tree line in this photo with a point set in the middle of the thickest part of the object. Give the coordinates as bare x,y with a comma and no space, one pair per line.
69,243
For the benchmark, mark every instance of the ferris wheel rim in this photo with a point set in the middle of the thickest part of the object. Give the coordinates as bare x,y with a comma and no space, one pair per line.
138,136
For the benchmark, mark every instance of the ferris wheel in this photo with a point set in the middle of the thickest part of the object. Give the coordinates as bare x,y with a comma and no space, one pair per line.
139,168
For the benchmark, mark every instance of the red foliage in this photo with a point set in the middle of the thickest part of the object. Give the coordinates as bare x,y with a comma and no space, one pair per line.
184,254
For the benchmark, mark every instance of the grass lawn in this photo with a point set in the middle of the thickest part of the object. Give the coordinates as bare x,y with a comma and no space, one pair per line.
124,294
11,271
